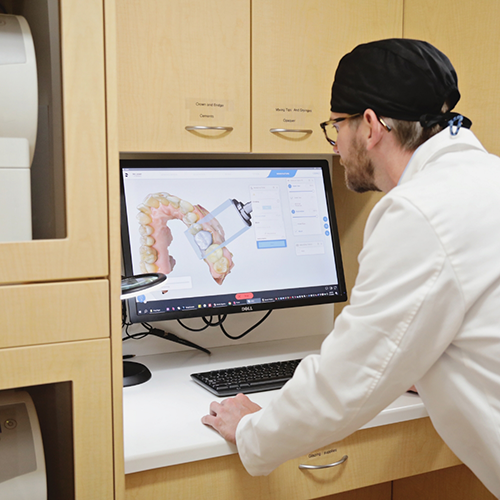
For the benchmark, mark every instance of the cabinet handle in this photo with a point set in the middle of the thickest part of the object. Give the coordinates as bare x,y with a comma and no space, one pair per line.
298,131
341,461
205,127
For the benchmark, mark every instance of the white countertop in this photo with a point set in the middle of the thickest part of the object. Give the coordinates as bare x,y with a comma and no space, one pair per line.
162,417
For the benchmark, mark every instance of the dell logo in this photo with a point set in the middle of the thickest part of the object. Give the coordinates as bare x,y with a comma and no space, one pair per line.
246,308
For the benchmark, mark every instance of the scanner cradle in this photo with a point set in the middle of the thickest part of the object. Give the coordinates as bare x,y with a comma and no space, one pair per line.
234,217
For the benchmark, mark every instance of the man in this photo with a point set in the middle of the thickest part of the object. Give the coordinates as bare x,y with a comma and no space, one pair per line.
425,308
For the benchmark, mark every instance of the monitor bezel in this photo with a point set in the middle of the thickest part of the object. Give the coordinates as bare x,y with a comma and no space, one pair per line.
226,162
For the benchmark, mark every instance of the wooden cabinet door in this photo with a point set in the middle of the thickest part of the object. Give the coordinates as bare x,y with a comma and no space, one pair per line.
469,34
76,425
453,483
84,250
46,313
184,63
296,47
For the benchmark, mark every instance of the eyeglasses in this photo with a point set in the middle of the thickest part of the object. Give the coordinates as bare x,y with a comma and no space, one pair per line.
331,129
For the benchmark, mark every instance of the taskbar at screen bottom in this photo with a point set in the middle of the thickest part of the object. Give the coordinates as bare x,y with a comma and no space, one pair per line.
241,302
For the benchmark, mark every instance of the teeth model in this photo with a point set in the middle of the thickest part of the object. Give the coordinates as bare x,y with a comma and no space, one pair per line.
154,214
203,239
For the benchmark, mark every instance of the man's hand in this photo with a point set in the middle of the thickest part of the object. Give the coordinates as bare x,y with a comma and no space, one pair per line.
224,417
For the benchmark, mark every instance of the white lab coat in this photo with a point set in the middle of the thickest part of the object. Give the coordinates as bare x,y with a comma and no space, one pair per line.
425,309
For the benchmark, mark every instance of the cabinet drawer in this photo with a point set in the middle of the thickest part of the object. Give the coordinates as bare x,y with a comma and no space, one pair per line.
375,456
54,312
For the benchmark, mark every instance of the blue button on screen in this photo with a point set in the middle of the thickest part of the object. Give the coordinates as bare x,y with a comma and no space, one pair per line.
272,244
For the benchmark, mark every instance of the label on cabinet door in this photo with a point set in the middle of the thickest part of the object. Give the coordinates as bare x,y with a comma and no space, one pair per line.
209,111
320,453
292,116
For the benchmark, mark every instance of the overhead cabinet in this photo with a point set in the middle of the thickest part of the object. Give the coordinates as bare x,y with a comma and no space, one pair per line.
184,75
237,75
296,47
469,37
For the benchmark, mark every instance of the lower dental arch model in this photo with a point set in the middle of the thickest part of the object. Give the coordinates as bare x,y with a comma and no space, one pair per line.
155,213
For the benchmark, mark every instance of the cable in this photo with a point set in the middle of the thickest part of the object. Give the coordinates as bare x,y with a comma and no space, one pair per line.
150,330
174,338
124,314
192,329
246,332
126,325
222,318
147,326
135,336
208,320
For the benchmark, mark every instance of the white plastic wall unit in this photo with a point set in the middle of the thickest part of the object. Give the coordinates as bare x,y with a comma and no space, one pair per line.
18,126
22,462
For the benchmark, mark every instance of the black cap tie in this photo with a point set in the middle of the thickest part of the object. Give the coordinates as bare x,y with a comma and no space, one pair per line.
453,120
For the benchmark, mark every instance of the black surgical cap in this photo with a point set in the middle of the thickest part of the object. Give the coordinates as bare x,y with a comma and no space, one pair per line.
397,78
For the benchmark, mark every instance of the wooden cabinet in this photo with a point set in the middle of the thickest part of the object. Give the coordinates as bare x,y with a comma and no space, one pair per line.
259,66
59,297
188,64
377,492
45,313
375,456
70,384
468,34
184,63
83,252
296,47
453,483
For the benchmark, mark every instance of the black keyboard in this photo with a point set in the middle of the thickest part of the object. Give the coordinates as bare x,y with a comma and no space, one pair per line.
247,379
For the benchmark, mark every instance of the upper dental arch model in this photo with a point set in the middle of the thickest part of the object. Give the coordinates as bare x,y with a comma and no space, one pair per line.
154,214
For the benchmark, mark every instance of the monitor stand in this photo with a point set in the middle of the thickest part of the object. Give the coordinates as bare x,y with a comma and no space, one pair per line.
135,373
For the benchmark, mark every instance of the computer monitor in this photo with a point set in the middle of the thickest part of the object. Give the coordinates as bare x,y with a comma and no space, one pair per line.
231,235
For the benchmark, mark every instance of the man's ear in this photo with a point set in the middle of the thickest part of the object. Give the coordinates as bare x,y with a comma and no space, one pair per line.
374,128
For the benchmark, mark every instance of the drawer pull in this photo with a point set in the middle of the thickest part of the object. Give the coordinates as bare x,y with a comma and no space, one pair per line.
341,461
205,127
298,130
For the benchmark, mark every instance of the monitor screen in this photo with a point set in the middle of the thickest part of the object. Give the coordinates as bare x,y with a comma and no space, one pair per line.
231,235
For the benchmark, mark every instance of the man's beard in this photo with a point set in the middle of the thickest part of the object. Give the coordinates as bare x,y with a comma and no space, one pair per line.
358,170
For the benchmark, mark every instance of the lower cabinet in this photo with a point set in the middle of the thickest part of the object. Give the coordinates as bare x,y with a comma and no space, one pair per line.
377,492
375,456
454,483
70,384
